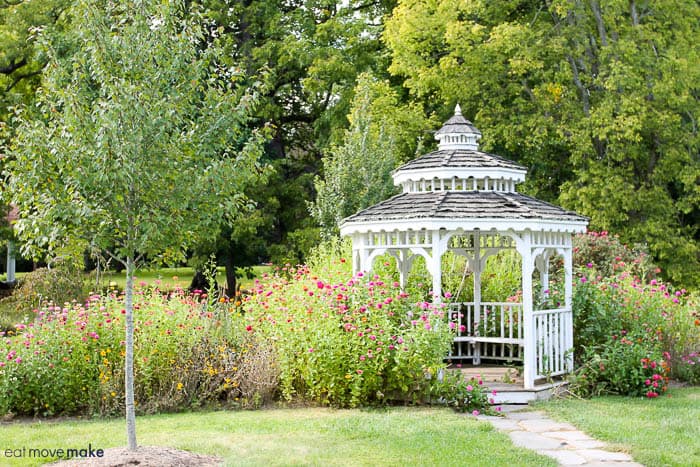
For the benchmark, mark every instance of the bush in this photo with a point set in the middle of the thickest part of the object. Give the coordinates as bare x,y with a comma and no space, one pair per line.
630,336
607,256
325,337
348,342
70,359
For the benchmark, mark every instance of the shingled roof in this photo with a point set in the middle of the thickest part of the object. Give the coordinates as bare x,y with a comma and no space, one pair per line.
463,205
459,158
458,124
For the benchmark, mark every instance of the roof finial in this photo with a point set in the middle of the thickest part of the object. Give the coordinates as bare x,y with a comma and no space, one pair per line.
458,110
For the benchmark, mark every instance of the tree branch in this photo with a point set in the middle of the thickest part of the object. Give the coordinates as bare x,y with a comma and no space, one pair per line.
599,23
21,77
9,69
579,85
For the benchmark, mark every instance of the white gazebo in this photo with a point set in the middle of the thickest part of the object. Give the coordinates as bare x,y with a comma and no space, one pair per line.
464,200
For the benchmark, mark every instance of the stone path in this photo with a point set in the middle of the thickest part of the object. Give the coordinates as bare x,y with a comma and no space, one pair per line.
562,441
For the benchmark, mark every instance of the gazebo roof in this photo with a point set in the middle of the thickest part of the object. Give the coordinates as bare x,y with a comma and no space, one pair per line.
489,209
459,186
459,158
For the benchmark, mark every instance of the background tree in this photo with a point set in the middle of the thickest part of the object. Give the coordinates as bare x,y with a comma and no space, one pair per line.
383,134
314,51
599,99
138,145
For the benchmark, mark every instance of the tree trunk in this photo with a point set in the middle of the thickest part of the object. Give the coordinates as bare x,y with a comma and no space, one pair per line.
230,265
129,358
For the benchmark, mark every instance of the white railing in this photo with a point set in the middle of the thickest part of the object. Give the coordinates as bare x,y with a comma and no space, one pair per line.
553,342
490,330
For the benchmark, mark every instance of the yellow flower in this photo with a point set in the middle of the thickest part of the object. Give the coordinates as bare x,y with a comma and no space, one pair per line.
180,386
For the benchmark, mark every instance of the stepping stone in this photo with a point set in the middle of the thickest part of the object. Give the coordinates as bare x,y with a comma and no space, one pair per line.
527,415
534,441
604,456
565,457
545,425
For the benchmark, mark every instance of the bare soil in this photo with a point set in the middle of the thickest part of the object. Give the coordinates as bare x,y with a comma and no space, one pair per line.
144,456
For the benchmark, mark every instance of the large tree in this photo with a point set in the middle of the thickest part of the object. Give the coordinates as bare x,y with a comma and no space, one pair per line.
599,99
383,134
139,142
314,51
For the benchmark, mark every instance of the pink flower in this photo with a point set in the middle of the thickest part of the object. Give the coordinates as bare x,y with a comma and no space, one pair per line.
475,413
470,387
359,372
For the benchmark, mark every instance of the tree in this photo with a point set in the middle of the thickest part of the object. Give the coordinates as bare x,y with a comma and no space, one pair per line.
599,99
314,51
357,174
139,144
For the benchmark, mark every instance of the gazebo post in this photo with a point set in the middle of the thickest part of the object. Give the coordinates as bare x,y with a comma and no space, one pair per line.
568,302
435,266
476,269
529,363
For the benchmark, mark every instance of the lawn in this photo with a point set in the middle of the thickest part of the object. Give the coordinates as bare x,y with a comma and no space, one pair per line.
311,436
663,431
171,278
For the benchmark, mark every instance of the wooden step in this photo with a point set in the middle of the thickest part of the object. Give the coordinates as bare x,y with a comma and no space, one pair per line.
491,374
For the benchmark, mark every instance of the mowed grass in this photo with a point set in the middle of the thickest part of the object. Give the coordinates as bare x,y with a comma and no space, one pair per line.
663,431
171,278
309,436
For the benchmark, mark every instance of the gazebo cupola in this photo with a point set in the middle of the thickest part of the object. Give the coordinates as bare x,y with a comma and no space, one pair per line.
458,165
464,200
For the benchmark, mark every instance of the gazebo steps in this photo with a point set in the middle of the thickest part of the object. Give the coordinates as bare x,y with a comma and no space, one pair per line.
508,384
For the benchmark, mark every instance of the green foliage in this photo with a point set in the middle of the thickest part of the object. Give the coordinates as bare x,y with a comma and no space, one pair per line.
62,284
607,255
631,336
138,143
70,360
357,173
347,342
463,395
598,100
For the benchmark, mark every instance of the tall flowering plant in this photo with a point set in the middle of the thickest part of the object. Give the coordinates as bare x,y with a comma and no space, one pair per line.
348,341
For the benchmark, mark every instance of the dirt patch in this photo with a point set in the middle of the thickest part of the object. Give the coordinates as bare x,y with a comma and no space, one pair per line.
144,456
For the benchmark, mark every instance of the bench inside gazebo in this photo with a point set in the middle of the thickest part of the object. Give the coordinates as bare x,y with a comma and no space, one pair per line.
461,200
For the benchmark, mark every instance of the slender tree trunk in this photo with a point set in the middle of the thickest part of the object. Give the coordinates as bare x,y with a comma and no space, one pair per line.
129,358
230,265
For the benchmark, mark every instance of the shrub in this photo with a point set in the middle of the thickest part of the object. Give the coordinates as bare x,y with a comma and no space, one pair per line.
630,336
70,359
607,256
61,284
347,342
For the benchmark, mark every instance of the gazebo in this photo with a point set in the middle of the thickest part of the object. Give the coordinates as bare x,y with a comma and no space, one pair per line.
463,200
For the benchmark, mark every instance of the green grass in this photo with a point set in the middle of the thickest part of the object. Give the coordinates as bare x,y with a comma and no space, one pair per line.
178,277
398,436
663,431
